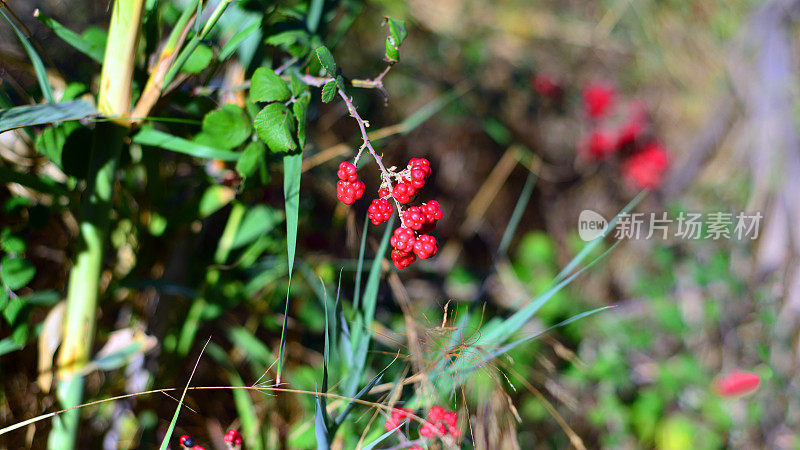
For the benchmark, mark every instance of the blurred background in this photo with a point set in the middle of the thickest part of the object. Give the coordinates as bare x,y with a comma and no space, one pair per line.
494,94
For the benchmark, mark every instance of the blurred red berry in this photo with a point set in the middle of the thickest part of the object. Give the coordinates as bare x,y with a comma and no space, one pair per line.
598,99
198,447
598,145
186,441
233,437
737,383
415,447
546,86
646,168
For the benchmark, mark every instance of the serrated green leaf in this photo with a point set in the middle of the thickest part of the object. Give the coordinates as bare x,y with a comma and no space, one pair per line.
228,127
275,126
16,272
199,59
248,162
23,116
298,87
329,91
326,60
267,86
300,109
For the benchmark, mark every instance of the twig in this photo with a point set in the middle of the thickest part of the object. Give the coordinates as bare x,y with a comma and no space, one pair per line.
362,125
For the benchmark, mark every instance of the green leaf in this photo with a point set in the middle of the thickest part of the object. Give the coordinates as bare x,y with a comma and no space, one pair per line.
38,66
300,109
214,198
87,47
198,60
258,221
233,43
326,60
16,272
397,34
23,116
275,126
248,162
11,243
155,138
297,85
329,91
292,169
228,127
267,86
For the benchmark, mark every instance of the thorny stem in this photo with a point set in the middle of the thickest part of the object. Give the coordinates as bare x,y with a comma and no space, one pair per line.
362,125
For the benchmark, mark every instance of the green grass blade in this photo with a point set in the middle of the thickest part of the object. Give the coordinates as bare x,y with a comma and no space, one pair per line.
24,116
360,266
233,43
516,216
38,66
381,438
314,14
171,429
155,138
72,38
292,168
588,248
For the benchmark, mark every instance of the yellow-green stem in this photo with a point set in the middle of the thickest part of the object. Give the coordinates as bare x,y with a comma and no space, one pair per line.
84,281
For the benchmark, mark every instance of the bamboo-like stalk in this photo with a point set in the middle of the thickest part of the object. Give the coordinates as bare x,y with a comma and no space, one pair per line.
114,98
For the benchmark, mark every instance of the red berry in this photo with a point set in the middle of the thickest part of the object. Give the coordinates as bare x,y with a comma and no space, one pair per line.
425,247
383,193
431,211
737,383
349,191
414,218
198,447
428,430
451,418
398,416
546,86
402,259
233,437
379,211
347,171
403,192
598,99
646,168
403,240
186,441
436,413
415,447
599,145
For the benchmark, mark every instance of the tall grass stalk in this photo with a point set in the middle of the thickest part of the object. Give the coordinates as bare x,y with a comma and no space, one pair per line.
82,294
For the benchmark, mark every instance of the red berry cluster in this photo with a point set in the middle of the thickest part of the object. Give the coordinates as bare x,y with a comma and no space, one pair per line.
233,439
349,188
410,240
643,160
440,422
187,442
